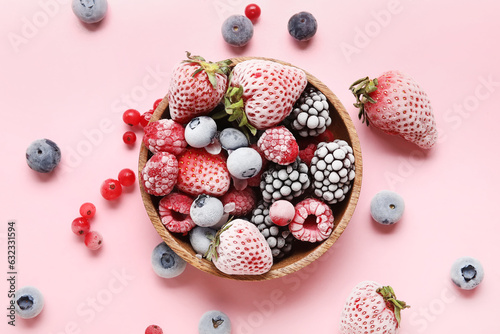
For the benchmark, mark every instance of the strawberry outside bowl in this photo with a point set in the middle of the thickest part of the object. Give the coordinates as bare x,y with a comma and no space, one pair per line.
303,253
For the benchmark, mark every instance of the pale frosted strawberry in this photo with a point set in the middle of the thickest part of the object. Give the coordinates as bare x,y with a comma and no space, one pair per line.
268,90
202,173
371,308
244,200
240,249
395,104
196,87
278,145
159,175
164,135
313,220
174,212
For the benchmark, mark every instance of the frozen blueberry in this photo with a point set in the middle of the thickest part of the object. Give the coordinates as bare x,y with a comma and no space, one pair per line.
237,30
166,263
200,131
387,207
43,155
90,11
200,238
244,163
214,322
467,272
206,211
302,26
28,302
231,139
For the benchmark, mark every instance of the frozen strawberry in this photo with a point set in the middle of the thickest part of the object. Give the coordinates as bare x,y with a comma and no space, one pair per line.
202,173
240,249
174,212
279,145
164,135
159,175
244,201
313,221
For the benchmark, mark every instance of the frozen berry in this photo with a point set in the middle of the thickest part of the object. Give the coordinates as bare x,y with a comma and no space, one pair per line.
154,329
237,30
313,220
282,212
145,118
166,263
28,302
244,163
387,207
174,212
90,11
43,155
467,273
206,211
93,240
126,177
302,26
165,135
200,239
80,226
231,139
244,201
131,117
252,11
159,175
87,210
129,137
111,189
200,131
214,322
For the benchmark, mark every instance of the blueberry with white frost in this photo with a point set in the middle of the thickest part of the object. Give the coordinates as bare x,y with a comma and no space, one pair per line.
387,207
206,211
28,302
244,163
214,322
237,30
200,131
90,11
166,263
43,155
467,272
231,139
200,238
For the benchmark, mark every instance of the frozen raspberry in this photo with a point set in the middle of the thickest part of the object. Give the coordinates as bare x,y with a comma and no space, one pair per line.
326,136
307,153
159,174
174,212
154,329
244,201
165,135
313,220
279,145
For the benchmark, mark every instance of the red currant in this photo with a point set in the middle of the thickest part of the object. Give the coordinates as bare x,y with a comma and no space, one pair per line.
154,329
87,210
111,189
131,117
126,177
129,137
93,240
146,117
157,103
80,226
252,11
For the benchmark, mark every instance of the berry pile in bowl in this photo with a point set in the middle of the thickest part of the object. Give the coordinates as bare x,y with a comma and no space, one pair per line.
250,168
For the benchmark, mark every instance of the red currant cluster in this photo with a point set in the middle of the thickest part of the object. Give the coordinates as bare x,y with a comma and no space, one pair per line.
133,117
81,227
112,189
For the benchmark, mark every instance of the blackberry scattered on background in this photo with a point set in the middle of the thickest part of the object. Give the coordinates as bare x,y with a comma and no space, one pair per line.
333,169
310,115
279,238
284,182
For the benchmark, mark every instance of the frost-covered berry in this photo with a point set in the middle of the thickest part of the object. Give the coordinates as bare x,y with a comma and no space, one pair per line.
43,155
206,211
166,263
28,302
90,11
159,175
214,322
387,207
174,212
80,226
237,30
310,115
165,135
154,329
284,182
231,139
467,272
313,220
93,240
200,238
282,212
244,163
302,26
200,131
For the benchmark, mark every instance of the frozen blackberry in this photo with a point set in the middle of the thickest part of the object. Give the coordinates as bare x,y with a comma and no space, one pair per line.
279,238
284,182
332,170
310,115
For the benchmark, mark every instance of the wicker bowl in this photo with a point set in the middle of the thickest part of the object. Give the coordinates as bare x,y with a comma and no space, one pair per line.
301,256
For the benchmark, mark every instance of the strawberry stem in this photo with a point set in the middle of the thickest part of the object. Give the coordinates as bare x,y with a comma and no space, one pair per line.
389,296
212,249
235,108
362,89
221,67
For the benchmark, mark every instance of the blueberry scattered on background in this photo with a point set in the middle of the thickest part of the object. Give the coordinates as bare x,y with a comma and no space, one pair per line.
200,131
201,238
206,211
43,155
90,11
387,207
237,30
302,26
214,322
28,302
467,272
166,263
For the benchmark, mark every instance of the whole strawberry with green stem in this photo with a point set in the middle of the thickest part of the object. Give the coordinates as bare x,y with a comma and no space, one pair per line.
196,87
371,308
395,104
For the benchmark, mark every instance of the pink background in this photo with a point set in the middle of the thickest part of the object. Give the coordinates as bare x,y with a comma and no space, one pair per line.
70,82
